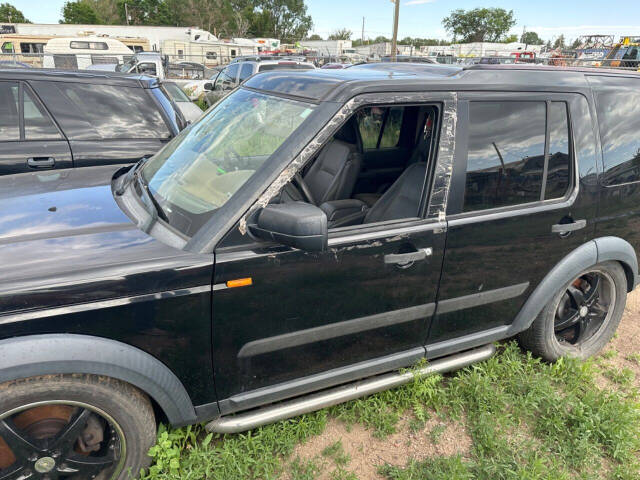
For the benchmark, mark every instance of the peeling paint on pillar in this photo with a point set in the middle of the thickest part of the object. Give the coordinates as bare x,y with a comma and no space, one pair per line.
444,167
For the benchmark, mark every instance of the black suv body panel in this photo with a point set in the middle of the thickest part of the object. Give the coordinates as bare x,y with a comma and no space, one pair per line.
74,265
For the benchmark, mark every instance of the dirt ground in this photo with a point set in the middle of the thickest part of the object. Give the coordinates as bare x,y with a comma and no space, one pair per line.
443,438
366,452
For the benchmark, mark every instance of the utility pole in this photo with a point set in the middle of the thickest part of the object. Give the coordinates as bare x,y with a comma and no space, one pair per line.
126,12
394,41
363,30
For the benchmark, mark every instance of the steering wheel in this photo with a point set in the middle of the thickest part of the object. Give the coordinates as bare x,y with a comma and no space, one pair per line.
304,188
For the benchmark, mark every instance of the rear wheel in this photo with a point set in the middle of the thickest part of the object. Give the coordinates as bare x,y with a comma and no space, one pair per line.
76,427
582,317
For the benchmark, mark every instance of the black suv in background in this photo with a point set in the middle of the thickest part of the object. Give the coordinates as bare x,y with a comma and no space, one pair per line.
310,236
63,119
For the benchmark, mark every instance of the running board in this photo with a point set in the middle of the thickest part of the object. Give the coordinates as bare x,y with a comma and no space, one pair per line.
327,398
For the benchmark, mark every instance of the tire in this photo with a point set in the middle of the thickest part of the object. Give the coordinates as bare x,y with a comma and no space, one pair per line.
42,408
542,337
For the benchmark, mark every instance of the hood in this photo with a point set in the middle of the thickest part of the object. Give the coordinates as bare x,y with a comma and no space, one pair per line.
58,203
64,240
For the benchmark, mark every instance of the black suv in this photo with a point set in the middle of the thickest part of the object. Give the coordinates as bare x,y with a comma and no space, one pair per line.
63,119
310,236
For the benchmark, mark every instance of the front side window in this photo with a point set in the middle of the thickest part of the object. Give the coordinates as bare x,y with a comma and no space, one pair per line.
198,171
506,153
7,47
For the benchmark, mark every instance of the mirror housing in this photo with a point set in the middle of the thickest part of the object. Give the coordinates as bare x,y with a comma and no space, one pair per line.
208,86
297,224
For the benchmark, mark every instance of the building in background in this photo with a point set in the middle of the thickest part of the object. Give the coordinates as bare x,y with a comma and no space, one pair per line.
154,35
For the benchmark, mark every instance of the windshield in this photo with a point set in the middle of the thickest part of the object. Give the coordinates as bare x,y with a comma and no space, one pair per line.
126,66
175,92
199,170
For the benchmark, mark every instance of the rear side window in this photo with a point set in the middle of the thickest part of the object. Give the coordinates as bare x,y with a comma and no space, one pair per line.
380,126
506,154
112,111
37,123
618,109
9,114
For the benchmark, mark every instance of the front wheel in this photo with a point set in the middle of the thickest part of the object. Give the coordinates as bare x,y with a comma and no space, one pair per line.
582,316
76,427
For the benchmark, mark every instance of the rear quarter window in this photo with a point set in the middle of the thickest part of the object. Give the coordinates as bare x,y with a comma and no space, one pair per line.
93,111
618,109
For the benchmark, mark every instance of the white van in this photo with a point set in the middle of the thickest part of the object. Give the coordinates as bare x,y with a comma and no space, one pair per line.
79,53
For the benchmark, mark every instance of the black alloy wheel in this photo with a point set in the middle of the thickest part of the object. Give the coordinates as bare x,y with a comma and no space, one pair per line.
582,316
59,440
584,308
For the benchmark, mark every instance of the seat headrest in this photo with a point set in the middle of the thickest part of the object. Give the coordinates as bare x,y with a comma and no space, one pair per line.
348,132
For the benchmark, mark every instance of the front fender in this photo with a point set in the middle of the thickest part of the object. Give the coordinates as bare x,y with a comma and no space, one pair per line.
596,251
23,357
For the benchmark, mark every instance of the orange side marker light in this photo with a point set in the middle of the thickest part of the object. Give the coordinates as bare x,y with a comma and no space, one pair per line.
240,282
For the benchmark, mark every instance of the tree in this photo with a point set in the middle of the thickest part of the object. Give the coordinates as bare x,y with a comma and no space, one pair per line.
531,38
510,39
79,12
10,14
315,36
560,42
284,19
148,12
479,24
342,34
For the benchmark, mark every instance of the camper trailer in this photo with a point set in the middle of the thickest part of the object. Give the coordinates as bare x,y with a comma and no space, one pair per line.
79,53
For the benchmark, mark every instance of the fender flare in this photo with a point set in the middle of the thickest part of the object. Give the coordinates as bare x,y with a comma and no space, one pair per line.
588,254
34,355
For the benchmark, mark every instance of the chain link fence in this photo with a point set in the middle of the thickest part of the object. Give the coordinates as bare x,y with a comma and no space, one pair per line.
206,65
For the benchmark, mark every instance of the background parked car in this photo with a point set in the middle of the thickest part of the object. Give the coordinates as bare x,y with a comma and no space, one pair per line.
241,69
63,119
190,111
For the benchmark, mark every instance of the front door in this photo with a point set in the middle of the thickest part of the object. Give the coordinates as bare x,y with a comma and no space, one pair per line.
523,197
305,321
29,139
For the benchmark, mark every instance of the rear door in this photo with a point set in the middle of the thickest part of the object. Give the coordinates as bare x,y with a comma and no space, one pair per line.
106,124
523,197
29,138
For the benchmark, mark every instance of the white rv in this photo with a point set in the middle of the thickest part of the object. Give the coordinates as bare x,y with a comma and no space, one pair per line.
79,53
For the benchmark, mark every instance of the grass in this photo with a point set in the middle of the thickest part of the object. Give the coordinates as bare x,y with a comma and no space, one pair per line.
526,419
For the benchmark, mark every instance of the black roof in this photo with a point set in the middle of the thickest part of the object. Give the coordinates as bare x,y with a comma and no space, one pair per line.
342,84
84,76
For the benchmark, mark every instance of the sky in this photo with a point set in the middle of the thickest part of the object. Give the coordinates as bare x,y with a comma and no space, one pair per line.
423,18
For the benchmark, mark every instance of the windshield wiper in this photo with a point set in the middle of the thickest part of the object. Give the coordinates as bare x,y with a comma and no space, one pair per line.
157,210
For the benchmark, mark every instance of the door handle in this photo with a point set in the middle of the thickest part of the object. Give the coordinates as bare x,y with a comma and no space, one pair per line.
405,258
41,162
569,227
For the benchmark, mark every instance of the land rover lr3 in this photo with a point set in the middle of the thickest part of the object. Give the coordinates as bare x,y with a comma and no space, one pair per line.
313,233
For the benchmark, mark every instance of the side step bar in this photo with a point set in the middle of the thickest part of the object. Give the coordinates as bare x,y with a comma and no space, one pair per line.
344,393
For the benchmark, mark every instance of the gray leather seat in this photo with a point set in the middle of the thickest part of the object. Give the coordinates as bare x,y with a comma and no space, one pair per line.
402,198
334,173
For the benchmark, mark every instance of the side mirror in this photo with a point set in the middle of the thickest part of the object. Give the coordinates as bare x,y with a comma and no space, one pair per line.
298,225
208,86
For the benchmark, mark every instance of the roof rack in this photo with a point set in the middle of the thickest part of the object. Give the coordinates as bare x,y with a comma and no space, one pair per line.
262,58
